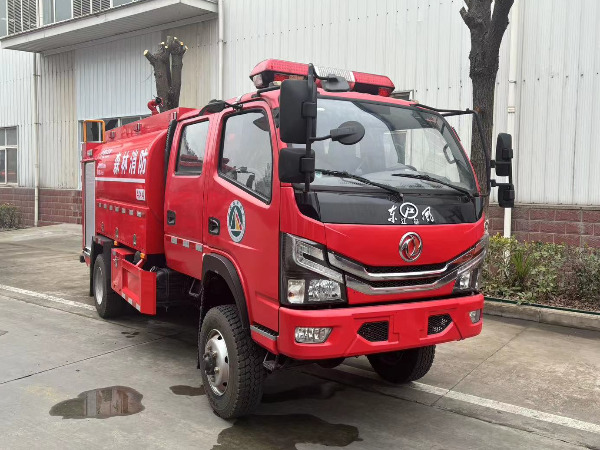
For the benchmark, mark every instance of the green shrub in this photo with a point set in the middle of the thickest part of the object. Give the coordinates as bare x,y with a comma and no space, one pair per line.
9,216
542,273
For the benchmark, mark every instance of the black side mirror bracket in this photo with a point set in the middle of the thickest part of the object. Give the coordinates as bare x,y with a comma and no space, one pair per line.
503,165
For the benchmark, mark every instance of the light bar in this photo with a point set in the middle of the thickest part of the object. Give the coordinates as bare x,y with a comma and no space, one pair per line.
274,70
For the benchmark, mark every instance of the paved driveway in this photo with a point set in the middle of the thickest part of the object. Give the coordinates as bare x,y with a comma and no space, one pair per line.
69,379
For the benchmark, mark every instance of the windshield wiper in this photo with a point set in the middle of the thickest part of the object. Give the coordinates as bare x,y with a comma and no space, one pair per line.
435,180
343,174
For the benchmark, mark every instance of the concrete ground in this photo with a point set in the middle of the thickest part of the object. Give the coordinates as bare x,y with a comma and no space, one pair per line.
70,380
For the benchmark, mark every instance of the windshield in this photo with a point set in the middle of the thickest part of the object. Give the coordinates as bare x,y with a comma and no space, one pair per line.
400,144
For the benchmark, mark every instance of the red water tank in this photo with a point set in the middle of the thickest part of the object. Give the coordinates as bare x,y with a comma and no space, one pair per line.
130,180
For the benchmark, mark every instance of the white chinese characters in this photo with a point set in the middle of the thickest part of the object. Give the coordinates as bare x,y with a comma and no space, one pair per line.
126,163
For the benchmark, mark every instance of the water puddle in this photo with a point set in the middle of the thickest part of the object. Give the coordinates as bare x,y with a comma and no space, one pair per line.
130,334
321,391
190,391
100,404
274,432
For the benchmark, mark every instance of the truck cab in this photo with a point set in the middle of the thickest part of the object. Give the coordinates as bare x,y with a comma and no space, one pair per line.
313,220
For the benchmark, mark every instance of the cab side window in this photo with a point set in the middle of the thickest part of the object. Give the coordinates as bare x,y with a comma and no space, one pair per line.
191,149
246,157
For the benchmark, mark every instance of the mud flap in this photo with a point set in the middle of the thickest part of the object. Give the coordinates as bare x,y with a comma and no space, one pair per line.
136,285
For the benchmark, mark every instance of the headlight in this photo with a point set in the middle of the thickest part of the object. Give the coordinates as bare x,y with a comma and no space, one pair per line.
467,279
306,277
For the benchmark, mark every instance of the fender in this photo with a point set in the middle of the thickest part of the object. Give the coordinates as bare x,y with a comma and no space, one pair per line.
223,267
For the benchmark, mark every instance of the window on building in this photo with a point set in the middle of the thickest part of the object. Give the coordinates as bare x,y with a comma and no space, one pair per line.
403,95
246,154
3,20
191,149
8,156
115,122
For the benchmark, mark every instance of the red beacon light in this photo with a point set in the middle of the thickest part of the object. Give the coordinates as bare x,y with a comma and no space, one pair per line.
274,71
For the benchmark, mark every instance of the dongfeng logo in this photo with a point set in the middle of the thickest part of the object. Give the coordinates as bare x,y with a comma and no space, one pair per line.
411,247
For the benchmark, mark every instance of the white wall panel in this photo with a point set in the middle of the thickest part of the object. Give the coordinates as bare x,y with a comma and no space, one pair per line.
16,106
59,146
115,79
200,81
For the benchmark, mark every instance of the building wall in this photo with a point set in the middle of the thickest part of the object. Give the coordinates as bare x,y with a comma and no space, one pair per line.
114,79
16,107
422,45
59,144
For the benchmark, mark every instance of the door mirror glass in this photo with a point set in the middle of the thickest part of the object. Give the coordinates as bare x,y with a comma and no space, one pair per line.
296,104
348,133
294,163
504,155
506,195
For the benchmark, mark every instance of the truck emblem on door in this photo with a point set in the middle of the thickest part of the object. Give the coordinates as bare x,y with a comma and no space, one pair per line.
236,221
411,247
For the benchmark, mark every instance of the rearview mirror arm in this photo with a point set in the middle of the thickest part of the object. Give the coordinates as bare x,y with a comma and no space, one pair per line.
309,110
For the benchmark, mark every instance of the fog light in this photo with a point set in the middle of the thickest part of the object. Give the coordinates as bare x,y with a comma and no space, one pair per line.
312,335
323,291
464,281
295,293
475,315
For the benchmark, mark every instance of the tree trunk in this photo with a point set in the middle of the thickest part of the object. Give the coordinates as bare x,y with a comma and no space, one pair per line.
167,63
483,102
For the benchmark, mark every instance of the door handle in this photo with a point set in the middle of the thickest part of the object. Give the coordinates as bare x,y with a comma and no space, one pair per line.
214,226
170,217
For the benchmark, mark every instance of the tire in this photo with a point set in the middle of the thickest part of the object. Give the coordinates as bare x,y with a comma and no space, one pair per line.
403,366
108,303
242,391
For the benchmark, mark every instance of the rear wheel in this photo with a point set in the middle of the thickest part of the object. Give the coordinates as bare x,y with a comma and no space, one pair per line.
230,363
404,365
108,303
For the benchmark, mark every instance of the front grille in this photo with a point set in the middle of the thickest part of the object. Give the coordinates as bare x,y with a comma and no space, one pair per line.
400,283
439,323
405,269
375,331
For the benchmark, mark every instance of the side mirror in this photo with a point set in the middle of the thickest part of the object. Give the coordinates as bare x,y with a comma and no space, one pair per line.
506,195
348,133
214,106
504,155
297,107
93,131
294,164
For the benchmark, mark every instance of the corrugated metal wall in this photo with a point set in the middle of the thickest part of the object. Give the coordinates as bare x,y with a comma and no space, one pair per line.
59,147
200,65
559,88
16,106
114,79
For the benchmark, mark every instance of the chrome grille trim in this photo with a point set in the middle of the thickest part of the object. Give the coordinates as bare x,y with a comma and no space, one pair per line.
361,272
451,276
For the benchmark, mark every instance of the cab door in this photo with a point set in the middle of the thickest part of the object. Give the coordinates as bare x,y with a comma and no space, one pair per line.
185,198
243,206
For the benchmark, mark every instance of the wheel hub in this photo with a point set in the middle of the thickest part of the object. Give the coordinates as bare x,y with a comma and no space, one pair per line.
99,285
216,362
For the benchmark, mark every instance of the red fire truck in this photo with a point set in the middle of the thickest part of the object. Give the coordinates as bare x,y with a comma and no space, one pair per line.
315,219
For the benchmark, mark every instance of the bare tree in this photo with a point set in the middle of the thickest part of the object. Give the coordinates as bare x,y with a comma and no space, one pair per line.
487,29
167,63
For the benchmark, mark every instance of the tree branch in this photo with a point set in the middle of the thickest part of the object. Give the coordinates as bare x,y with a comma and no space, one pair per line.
499,24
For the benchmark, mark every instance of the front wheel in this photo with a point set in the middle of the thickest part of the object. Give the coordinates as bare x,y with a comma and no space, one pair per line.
404,365
230,363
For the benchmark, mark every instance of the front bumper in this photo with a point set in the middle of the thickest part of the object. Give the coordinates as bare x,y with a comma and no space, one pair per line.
408,327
